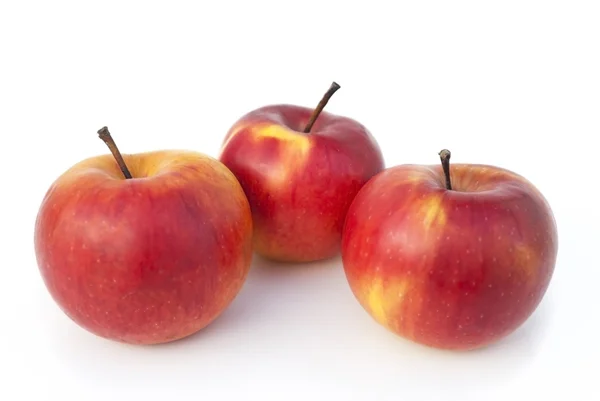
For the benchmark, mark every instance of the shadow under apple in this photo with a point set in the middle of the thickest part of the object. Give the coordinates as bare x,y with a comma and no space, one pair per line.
269,287
492,365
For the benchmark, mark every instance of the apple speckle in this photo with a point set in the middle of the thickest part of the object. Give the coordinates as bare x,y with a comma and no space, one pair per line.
468,251
502,294
481,316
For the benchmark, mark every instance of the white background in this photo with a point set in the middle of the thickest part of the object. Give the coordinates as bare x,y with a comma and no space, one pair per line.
510,83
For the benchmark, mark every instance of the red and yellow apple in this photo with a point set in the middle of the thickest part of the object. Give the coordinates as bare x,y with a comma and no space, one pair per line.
149,259
300,169
452,258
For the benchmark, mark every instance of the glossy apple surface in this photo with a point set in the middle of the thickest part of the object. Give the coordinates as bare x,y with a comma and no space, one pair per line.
453,269
299,184
145,260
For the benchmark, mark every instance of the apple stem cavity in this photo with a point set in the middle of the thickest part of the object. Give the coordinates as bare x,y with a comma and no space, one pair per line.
332,89
105,135
445,158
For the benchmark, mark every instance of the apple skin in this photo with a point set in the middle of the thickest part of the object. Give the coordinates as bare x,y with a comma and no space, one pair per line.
299,185
458,269
146,260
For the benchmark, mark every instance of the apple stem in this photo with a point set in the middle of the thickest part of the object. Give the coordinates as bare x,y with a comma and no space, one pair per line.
332,89
445,158
105,135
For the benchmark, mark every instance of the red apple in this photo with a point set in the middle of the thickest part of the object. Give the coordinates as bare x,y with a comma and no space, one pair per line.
148,259
300,169
450,259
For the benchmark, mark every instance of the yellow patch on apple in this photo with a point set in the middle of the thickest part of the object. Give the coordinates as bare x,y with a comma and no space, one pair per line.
382,298
433,213
294,156
301,141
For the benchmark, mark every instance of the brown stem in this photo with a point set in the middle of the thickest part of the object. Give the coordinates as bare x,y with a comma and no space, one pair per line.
332,89
104,134
445,158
